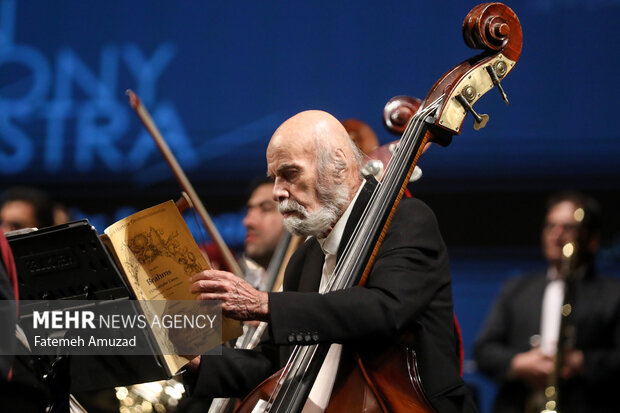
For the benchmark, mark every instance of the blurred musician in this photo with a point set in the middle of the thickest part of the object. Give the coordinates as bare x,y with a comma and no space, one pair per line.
518,342
24,207
264,227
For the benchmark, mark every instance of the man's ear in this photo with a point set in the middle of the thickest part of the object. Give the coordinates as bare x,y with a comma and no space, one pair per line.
341,156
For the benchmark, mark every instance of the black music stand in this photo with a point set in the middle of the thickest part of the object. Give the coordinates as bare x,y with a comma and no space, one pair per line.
69,262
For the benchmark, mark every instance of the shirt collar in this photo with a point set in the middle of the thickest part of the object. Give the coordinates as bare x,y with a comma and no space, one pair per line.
553,274
330,244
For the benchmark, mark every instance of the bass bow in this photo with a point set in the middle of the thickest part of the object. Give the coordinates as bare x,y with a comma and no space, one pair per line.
192,197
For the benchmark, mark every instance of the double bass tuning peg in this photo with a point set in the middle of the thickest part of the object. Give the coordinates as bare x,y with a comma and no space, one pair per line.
468,94
497,71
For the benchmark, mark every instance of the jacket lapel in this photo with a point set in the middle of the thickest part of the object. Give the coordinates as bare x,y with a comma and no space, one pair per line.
310,278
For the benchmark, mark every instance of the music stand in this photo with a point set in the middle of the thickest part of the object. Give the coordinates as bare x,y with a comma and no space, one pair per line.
69,262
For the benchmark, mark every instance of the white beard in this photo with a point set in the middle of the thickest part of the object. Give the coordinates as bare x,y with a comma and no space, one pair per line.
335,201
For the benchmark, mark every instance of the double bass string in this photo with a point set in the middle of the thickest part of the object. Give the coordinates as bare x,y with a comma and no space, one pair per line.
388,183
296,363
281,380
339,282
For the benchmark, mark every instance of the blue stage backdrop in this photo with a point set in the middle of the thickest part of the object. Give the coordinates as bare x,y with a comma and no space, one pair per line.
219,77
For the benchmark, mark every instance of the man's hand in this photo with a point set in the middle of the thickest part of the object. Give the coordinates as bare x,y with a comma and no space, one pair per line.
239,299
532,366
573,364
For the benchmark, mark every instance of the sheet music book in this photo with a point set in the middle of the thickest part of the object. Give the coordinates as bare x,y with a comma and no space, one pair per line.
149,255
158,255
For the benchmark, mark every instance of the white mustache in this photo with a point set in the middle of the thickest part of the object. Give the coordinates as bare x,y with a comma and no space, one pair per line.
289,205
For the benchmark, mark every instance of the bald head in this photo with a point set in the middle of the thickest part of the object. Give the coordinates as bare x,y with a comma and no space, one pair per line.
314,163
318,135
309,127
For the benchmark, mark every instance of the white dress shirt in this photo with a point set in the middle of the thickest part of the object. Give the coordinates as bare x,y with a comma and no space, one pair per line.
551,313
324,383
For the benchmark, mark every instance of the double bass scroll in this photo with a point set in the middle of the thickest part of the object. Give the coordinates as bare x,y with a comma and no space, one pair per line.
492,27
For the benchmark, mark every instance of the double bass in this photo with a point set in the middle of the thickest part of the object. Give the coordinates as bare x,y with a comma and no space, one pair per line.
390,381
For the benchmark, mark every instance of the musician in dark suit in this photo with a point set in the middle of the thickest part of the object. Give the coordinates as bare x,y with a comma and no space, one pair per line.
518,341
321,195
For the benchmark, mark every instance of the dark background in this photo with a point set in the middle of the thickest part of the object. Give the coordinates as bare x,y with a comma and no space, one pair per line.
219,77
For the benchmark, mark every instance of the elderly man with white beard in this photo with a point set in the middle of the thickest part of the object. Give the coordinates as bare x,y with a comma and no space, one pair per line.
321,194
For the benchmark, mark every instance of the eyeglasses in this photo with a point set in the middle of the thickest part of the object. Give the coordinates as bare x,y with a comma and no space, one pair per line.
550,226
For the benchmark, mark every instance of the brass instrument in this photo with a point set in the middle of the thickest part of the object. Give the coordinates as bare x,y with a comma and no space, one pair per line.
571,271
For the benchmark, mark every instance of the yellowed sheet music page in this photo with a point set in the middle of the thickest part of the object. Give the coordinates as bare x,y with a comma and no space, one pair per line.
159,255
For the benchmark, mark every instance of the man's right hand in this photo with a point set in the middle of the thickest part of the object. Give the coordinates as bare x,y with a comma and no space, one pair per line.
240,300
532,366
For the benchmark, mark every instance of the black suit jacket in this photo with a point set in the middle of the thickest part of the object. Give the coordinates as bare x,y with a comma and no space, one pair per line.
515,317
408,290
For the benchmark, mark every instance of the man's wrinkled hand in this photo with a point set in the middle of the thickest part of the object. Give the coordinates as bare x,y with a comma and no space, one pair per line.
240,300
